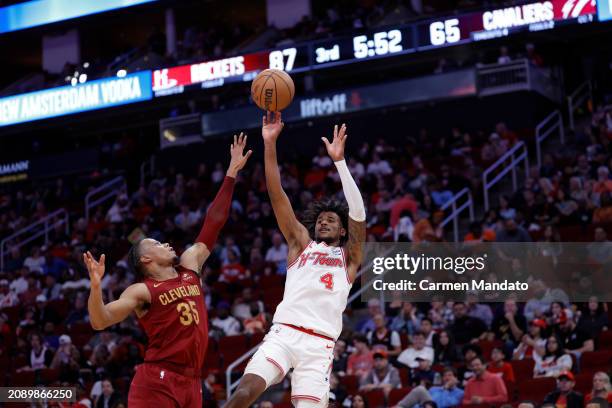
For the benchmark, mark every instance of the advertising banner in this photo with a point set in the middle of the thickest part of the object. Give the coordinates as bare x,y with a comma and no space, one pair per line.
66,100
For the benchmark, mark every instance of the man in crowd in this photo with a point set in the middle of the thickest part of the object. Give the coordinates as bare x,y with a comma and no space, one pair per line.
564,395
484,387
418,348
448,394
383,376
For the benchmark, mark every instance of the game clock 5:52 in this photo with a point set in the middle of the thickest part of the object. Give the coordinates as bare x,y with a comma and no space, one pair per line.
379,44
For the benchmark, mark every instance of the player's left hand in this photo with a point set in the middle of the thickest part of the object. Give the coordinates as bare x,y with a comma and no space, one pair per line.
239,159
335,149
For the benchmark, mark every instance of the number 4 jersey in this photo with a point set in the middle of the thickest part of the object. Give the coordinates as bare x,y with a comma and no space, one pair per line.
316,290
176,322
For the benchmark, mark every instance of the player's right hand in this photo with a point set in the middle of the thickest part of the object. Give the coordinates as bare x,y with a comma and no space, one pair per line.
272,125
95,268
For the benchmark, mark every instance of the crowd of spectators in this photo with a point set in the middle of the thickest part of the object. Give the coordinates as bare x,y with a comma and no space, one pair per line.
445,352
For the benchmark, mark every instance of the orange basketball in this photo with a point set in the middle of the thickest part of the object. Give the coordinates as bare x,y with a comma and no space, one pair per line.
272,90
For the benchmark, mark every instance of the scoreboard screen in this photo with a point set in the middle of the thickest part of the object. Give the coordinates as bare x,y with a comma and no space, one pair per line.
388,42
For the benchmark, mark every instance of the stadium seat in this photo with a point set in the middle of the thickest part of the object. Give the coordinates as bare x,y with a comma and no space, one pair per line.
397,394
272,281
48,375
404,376
596,360
231,348
375,398
536,388
487,346
255,339
23,378
512,390
351,383
523,369
584,382
604,341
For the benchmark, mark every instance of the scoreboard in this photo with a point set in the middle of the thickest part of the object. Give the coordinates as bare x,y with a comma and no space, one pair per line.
392,41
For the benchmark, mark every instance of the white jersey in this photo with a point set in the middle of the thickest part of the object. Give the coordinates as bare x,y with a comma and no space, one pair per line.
316,290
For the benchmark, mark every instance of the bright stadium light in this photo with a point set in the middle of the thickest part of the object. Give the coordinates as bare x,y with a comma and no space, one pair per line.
121,73
86,65
74,81
82,78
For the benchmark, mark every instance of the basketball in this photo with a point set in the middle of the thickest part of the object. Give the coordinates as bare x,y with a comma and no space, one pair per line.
272,90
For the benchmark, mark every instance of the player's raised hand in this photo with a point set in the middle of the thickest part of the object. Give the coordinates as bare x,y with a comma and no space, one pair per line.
335,149
95,268
239,159
272,125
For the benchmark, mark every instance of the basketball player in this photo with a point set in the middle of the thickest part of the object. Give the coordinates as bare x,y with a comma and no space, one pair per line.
324,256
169,303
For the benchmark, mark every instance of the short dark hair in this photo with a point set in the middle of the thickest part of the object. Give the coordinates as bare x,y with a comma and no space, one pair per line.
449,369
133,259
327,205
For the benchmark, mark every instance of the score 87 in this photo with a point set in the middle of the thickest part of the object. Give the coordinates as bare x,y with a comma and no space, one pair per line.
442,32
277,59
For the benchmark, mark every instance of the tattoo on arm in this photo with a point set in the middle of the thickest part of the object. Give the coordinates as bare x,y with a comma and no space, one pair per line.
356,238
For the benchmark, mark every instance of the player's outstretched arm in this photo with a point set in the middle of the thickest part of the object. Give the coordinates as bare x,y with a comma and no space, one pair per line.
357,215
218,212
294,232
102,316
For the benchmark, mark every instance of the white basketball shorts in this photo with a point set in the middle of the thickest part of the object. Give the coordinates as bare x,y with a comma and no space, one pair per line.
310,357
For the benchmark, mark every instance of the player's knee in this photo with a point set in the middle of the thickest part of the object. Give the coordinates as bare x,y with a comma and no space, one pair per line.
250,387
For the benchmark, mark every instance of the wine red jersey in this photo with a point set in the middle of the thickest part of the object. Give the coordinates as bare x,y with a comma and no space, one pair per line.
176,322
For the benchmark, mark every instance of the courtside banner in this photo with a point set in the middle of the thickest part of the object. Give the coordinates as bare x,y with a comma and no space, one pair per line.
66,100
487,272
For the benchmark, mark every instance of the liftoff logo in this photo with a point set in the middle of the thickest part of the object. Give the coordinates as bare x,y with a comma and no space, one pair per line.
536,13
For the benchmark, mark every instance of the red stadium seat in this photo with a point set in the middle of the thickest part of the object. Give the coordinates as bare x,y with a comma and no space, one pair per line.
375,398
255,339
535,389
48,375
397,394
523,369
512,390
272,281
584,383
231,348
405,376
604,342
351,383
23,378
596,360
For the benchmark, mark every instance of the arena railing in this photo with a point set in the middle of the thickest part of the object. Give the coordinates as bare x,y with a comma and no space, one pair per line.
147,169
552,123
457,210
496,78
576,99
505,164
34,231
103,193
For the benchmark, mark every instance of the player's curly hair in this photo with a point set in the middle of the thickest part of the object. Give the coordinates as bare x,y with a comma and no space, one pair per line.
326,205
133,259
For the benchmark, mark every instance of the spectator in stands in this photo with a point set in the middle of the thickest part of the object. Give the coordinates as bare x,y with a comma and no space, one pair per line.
66,359
441,314
242,305
52,290
565,395
449,394
359,401
465,328
510,327
224,323
361,361
418,396
79,314
109,397
233,271
426,328
478,310
382,376
470,352
40,355
230,244
337,392
533,342
258,322
378,166
35,261
445,351
29,296
367,324
555,360
408,320
594,319
484,387
186,219
418,348
340,358
8,298
601,249
277,253
574,339
423,373
20,285
601,388
499,366
383,338
512,232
